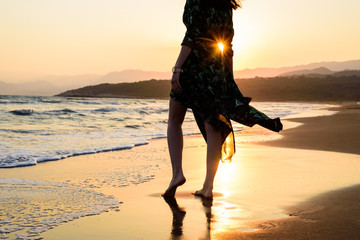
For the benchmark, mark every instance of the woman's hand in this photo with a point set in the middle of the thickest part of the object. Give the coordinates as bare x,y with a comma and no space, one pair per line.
184,53
175,82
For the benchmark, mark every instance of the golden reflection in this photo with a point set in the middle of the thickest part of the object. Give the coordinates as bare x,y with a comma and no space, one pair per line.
178,218
226,174
226,216
222,216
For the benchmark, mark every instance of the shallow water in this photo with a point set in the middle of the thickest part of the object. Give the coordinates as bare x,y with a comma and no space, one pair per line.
40,129
29,207
77,127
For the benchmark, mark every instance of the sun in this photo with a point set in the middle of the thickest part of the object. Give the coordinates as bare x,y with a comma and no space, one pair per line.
221,46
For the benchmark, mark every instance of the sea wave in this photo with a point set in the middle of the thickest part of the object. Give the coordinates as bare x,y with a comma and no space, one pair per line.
15,131
151,110
59,128
60,112
134,126
18,160
106,109
22,112
49,101
13,102
96,103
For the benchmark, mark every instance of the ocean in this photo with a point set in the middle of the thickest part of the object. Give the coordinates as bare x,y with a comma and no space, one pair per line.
39,129
34,130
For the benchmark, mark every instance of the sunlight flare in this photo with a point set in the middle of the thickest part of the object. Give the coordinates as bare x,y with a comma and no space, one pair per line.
221,46
226,173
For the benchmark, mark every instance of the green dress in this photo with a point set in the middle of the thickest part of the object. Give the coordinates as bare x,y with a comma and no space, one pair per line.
207,82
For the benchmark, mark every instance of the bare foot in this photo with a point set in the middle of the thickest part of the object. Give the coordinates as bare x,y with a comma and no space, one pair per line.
170,192
205,192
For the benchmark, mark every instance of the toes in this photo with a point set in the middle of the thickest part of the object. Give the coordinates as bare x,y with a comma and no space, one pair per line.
198,193
170,192
204,194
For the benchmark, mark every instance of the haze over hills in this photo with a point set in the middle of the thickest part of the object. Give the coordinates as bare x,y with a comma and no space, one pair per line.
273,72
47,85
36,88
132,76
316,71
51,85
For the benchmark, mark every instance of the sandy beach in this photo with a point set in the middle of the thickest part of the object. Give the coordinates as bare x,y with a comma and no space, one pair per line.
304,185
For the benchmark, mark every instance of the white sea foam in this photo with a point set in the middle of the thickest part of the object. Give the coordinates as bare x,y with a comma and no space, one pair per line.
30,207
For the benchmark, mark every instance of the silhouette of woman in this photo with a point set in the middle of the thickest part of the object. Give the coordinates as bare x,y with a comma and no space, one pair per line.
203,81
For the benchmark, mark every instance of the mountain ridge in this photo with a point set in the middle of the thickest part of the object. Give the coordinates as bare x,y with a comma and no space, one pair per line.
281,88
319,71
273,72
53,84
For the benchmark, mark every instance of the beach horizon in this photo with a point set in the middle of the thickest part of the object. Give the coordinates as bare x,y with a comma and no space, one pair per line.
276,189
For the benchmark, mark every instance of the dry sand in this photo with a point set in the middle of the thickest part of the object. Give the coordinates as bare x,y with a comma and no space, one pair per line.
282,191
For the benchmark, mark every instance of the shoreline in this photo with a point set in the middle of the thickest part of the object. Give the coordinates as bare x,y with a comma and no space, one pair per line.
312,132
259,185
255,137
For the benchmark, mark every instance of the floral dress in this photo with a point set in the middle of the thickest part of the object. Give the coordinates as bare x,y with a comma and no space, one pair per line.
207,82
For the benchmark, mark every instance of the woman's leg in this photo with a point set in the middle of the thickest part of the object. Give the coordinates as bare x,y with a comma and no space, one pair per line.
213,156
175,143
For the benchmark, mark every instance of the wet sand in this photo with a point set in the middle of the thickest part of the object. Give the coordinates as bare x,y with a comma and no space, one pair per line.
331,214
337,133
303,186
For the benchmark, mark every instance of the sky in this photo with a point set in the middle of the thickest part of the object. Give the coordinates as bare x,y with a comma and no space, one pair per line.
73,37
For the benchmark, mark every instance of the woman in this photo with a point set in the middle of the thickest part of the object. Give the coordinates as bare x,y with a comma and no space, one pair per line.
203,81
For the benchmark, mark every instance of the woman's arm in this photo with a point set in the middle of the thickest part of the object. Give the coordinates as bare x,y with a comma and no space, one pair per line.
184,53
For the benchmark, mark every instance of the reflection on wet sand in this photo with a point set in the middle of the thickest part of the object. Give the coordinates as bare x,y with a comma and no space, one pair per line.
221,216
178,217
207,203
227,216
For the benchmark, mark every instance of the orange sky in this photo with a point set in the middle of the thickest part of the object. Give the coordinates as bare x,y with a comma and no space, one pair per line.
99,36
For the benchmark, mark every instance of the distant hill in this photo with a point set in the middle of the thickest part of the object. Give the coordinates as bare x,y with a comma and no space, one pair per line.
273,72
327,88
316,71
294,88
322,71
348,73
53,84
143,89
132,76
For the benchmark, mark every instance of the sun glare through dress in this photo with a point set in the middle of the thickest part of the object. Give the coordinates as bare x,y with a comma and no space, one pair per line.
207,82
